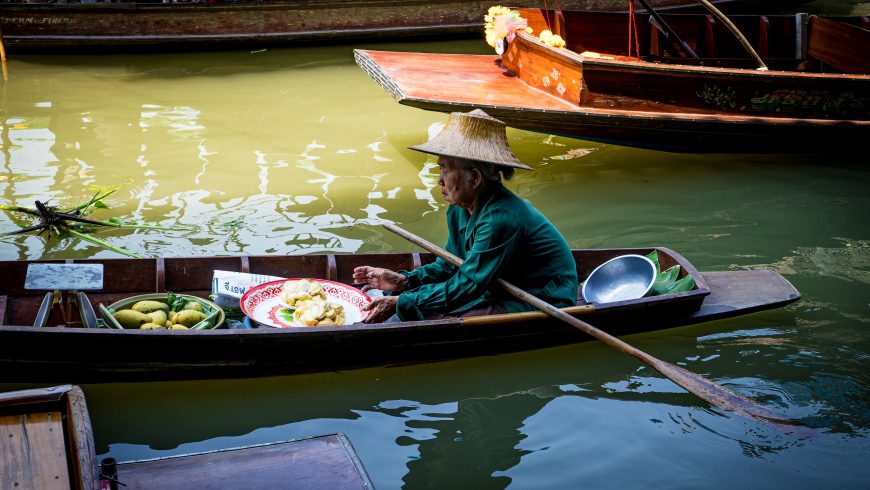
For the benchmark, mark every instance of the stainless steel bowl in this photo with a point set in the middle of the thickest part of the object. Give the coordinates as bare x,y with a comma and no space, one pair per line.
620,279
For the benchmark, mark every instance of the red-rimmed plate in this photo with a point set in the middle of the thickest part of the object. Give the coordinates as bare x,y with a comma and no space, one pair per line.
263,304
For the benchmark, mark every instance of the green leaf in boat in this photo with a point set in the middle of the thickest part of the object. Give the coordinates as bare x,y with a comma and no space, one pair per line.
668,282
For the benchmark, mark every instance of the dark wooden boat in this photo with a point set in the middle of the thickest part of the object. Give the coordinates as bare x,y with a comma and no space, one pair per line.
218,24
48,443
815,97
71,352
47,440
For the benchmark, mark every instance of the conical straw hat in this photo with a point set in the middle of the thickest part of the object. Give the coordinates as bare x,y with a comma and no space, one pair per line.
473,135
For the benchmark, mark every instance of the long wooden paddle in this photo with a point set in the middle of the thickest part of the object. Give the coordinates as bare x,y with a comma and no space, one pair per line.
696,384
734,30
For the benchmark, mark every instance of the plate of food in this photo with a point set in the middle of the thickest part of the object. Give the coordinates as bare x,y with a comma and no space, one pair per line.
303,302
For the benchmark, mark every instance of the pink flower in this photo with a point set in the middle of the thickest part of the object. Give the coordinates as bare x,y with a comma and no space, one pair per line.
506,26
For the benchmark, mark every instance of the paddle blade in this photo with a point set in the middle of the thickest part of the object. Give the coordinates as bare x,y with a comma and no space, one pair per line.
718,395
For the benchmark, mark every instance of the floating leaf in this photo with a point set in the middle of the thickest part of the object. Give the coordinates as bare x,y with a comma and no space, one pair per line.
74,221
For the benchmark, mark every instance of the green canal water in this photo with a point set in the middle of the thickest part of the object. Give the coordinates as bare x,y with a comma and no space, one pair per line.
289,151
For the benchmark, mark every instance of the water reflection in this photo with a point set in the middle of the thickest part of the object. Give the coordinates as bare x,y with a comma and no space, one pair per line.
492,426
199,142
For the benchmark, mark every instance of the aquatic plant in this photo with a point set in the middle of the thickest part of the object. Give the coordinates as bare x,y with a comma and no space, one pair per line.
73,221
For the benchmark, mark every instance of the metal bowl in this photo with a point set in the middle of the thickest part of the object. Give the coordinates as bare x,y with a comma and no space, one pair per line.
621,278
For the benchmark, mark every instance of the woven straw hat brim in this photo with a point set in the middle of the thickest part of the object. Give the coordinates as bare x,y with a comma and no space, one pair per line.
473,136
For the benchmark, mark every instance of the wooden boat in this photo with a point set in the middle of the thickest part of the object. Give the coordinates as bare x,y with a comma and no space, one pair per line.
70,352
47,440
218,24
814,97
48,443
327,461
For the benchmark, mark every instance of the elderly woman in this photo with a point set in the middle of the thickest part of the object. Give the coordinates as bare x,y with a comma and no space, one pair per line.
497,234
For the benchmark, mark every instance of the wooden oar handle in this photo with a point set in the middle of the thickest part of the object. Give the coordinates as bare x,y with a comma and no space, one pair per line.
525,316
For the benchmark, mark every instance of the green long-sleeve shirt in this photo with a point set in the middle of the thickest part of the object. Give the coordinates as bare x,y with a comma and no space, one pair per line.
505,237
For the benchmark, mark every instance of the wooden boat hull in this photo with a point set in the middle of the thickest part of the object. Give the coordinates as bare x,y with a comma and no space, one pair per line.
118,25
48,441
95,355
659,104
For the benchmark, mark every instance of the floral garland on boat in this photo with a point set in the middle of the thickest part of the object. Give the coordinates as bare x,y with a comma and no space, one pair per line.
502,23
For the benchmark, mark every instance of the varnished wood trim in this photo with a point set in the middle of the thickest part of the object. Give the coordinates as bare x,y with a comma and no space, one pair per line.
415,259
525,316
80,438
838,44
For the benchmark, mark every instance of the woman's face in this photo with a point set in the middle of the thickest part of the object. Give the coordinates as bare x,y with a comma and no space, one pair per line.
455,186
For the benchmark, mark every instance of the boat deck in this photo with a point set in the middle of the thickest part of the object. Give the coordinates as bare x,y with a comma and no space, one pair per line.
476,80
32,454
327,461
47,440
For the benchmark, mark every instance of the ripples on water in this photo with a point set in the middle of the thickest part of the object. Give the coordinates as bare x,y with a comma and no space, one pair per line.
297,151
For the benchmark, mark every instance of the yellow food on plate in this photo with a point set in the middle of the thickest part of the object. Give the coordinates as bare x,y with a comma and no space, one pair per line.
301,290
319,313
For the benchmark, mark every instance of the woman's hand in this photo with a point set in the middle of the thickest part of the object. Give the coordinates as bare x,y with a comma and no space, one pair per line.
381,309
378,278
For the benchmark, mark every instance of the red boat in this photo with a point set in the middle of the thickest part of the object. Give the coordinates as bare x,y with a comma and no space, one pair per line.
815,96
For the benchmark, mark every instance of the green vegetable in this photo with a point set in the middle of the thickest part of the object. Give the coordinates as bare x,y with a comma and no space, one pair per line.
667,282
207,323
108,319
679,286
176,301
